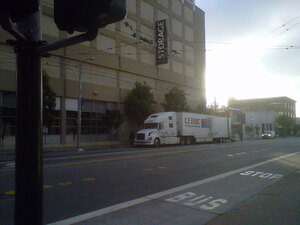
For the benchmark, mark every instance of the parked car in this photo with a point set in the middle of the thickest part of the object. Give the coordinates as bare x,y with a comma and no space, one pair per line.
268,134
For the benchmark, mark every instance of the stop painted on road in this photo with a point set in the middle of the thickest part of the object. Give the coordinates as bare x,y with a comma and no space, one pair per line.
262,175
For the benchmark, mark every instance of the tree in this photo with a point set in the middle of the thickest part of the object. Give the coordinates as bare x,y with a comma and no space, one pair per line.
139,103
175,101
49,101
296,130
285,123
113,119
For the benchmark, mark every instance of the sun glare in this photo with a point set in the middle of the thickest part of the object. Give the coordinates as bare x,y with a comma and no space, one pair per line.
234,70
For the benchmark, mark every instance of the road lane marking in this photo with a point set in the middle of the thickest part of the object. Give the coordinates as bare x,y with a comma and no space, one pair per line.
185,197
171,152
47,186
113,159
89,179
161,167
64,183
262,174
241,153
12,192
10,165
147,198
149,169
230,155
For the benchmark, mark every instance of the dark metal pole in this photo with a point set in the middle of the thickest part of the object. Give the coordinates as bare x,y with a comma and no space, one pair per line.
79,108
29,173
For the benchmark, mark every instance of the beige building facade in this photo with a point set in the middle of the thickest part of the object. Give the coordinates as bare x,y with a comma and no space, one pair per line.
111,64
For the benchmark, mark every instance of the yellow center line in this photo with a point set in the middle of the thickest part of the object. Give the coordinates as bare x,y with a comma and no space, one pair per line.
161,167
12,192
148,169
64,183
115,159
89,179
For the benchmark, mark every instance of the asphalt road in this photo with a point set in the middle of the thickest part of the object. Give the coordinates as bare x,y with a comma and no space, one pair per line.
75,185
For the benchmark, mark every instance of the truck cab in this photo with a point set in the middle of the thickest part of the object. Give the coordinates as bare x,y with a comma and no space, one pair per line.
159,128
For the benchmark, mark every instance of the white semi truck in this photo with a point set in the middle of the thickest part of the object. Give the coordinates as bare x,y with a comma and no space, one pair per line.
182,128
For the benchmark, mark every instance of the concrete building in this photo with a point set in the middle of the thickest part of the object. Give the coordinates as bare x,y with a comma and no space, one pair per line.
261,114
123,53
282,105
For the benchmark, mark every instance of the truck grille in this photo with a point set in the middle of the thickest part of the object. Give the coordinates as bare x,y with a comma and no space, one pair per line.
140,137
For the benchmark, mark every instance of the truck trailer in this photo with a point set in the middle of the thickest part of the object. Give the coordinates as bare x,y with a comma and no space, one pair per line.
182,128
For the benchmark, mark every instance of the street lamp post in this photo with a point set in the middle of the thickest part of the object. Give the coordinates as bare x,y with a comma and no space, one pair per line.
80,104
79,108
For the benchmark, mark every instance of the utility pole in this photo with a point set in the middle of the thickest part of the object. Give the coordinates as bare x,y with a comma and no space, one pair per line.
79,108
79,115
29,160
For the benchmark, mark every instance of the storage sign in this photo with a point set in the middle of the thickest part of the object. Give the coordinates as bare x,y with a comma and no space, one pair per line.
161,42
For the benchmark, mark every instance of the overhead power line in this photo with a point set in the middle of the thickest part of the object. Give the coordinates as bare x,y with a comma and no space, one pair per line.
280,27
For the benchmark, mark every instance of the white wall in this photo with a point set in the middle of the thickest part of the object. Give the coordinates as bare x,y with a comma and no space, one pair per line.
257,119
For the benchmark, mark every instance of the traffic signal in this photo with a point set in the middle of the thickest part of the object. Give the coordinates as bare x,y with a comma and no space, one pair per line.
17,10
84,15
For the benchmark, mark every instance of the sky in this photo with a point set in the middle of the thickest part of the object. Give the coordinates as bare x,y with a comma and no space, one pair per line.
252,49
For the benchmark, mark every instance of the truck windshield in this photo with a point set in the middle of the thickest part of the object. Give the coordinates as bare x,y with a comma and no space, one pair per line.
151,125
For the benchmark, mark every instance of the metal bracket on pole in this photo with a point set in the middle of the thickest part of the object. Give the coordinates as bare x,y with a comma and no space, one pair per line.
88,36
7,25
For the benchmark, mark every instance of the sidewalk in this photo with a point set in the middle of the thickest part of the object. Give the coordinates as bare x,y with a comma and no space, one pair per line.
277,204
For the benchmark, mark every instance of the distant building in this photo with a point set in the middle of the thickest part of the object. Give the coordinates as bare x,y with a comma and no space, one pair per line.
261,114
282,105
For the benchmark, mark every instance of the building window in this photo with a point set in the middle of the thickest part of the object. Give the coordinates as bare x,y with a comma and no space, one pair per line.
107,44
176,7
128,51
92,127
147,57
164,3
8,113
177,27
128,28
147,11
188,14
131,5
170,125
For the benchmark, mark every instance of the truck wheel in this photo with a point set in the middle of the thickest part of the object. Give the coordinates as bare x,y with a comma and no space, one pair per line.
188,141
156,142
182,141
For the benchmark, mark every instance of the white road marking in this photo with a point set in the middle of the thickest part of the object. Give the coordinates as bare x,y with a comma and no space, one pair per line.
262,175
147,198
241,153
230,155
10,165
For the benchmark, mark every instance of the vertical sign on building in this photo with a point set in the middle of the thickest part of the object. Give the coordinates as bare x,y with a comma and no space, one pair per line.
161,42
